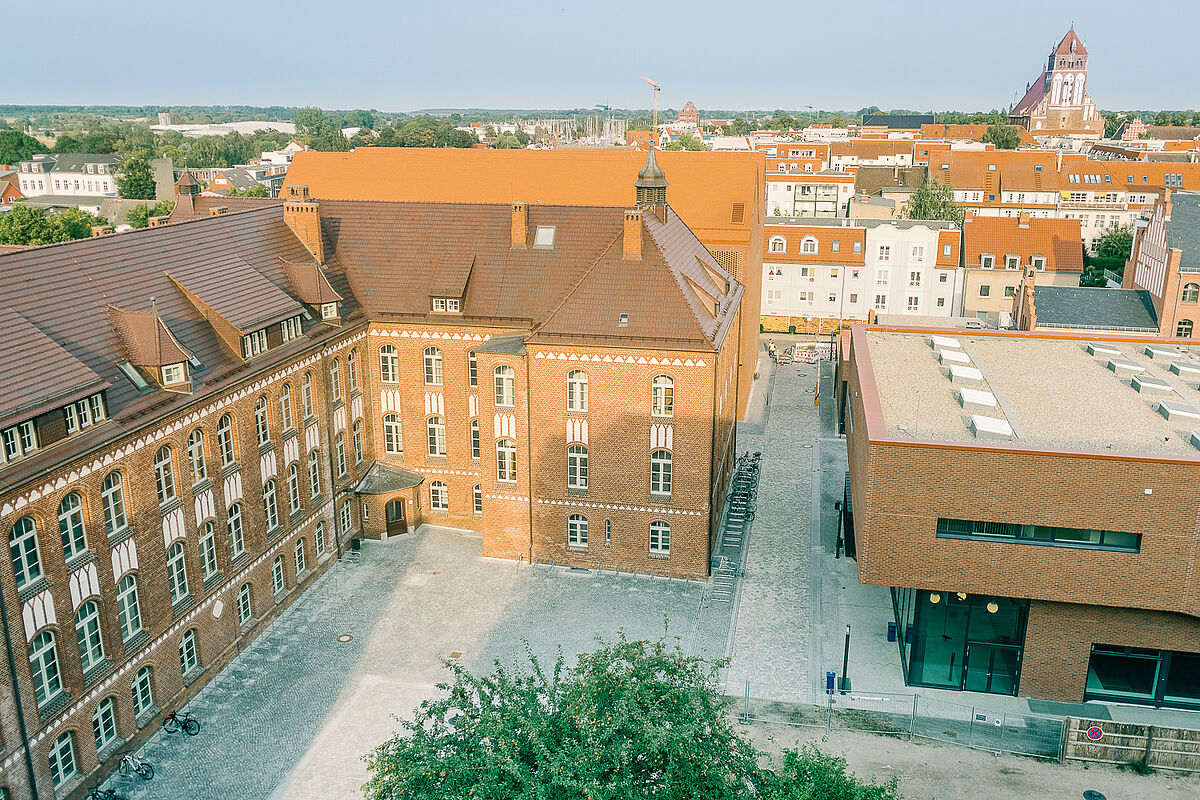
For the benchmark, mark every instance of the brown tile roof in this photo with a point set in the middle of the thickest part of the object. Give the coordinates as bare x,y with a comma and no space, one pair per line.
239,293
39,374
147,340
969,132
1071,38
873,178
870,148
1015,170
309,283
1059,240
203,204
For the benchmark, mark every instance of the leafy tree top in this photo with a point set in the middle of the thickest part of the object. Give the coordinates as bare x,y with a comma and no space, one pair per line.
933,200
1004,137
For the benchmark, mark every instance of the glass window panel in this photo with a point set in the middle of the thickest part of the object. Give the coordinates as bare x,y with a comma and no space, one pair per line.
1133,677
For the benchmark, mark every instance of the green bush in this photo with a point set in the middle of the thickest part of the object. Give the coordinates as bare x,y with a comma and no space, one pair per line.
791,328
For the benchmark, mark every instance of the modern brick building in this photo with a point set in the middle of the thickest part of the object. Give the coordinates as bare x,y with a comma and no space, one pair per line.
1031,501
199,416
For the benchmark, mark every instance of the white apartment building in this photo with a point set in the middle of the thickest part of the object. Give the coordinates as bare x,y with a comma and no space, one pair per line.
68,175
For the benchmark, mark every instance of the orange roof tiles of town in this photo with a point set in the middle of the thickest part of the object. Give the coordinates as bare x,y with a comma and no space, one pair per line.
1056,239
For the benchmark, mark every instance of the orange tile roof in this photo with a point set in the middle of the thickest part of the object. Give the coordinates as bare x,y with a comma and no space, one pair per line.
870,148
970,132
825,235
1059,240
1015,170
954,240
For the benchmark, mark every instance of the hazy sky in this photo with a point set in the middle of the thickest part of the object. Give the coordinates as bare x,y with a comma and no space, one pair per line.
400,56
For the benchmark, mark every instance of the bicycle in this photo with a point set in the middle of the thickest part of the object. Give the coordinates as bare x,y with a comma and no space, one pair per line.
105,794
185,721
135,765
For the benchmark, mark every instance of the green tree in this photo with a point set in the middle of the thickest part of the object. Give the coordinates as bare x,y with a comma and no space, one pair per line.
258,190
1116,242
809,774
16,146
1180,118
1162,118
139,215
687,142
934,200
1004,137
1112,122
29,225
66,143
506,141
135,180
320,131
837,121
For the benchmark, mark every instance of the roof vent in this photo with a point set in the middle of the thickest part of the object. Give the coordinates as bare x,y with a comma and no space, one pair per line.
976,399
1102,349
948,357
965,376
1196,439
1184,370
991,428
1178,411
1161,351
944,343
1146,384
1124,367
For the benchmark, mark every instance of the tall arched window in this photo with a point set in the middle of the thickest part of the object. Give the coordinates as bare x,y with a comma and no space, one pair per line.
314,474
1183,329
237,538
352,370
577,467
189,656
435,428
306,396
164,476
270,509
335,380
285,406
225,440
87,630
177,578
660,472
506,461
393,442
293,485
478,494
577,531
439,496
43,663
662,396
506,386
472,369
1191,293
356,440
262,421
245,605
208,551
142,690
26,557
63,765
660,538
112,497
298,555
195,450
577,390
778,244
277,575
104,723
70,525
339,452
389,364
474,438
433,366
129,610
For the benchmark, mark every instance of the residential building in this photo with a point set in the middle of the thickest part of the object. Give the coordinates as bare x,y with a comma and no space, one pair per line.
1165,263
688,115
969,486
1058,102
69,175
10,186
1000,183
853,152
804,194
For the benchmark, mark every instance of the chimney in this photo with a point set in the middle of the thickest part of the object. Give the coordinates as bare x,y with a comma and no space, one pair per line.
520,225
632,244
217,211
157,222
101,230
1023,220
303,216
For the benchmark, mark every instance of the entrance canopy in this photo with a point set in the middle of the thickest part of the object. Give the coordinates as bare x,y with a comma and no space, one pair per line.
383,478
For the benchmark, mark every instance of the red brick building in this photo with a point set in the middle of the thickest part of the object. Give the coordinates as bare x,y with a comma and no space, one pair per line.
208,411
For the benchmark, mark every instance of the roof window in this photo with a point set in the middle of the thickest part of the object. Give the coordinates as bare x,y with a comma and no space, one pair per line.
623,321
543,237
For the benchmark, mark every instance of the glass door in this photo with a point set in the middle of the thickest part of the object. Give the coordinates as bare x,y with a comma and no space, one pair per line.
993,668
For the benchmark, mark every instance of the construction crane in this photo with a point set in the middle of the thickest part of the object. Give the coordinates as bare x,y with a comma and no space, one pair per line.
657,89
607,109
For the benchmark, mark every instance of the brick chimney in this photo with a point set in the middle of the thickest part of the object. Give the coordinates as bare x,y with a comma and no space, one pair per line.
1023,221
217,211
101,230
157,222
520,225
631,247
1024,312
303,216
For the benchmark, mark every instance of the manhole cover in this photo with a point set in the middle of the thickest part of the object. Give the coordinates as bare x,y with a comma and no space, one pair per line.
1092,794
345,637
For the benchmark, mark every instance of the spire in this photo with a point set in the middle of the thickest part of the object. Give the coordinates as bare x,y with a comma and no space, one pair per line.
187,183
651,183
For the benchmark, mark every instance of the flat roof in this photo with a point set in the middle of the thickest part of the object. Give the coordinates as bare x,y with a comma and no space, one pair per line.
1051,391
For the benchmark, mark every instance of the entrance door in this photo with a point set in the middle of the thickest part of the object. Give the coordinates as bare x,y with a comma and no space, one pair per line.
395,517
994,668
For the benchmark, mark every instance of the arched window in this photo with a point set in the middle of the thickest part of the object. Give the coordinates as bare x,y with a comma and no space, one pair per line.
195,450
577,531
104,723
472,369
314,474
433,366
306,396
189,657
298,554
177,572
112,497
1191,293
142,690
474,438
660,472
662,396
335,380
285,406
577,390
389,364
808,245
356,440
393,442
245,605
339,452
506,386
506,461
26,557
129,611
87,630
233,525
270,509
70,525
63,766
262,421
346,516
778,244
225,440
435,429
208,551
319,539
164,476
660,538
577,467
277,575
352,369
478,494
43,663
293,485
439,496
1183,330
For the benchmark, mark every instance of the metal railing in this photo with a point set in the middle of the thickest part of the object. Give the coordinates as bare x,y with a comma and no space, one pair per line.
1116,328
1112,276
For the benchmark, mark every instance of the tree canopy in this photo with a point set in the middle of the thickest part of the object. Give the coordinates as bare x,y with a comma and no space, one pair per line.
139,215
135,180
687,142
933,200
320,131
16,146
29,225
1004,137
1116,242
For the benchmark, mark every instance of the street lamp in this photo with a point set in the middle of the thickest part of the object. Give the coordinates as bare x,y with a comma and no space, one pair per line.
844,681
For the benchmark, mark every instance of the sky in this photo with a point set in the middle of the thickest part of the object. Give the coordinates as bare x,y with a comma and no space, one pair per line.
400,55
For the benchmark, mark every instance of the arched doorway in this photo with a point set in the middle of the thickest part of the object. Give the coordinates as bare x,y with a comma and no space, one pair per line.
394,513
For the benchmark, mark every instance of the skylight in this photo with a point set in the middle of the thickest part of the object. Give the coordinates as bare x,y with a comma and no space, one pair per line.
543,237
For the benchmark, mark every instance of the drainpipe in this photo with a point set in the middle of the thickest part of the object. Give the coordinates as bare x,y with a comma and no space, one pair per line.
528,450
333,476
12,670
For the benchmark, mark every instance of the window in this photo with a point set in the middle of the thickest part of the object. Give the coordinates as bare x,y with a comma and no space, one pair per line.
392,442
298,554
985,291
1012,261
262,421
270,510
475,438
1039,534
774,295
833,297
853,297
472,369
285,407
254,344
662,396
319,539
306,396
345,516
858,247
356,440
293,485
478,493
1010,291
439,497
918,252
70,525
837,245
987,260
543,236
277,571
87,630
225,440
1183,330
660,538
233,525
62,760
885,252
506,386
314,474
195,450
173,373
291,328
435,430
245,605
941,302
1191,293
433,366
188,658
778,244
660,472
577,531
329,310
808,245
20,439
43,663
26,557
577,467
912,303
177,573
389,364
104,723
335,380
947,249
142,690
506,461
577,390
208,551
352,370
129,611
339,452
833,272
806,296
880,302
164,476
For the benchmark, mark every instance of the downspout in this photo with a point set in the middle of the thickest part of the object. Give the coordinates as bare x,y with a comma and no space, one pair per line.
12,670
333,484
528,450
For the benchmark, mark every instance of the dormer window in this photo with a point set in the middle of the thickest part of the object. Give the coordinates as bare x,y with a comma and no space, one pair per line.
447,304
1039,263
255,343
1011,261
329,310
291,328
623,321
543,237
18,440
173,374
987,261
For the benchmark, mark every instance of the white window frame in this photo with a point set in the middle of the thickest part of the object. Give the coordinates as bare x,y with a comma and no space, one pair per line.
435,436
661,471
505,380
129,608
662,396
89,636
432,358
225,441
439,496
270,505
389,364
577,391
236,531
195,451
506,461
577,531
577,466
660,538
177,578
164,475
44,666
71,526
189,655
142,691
245,603
278,578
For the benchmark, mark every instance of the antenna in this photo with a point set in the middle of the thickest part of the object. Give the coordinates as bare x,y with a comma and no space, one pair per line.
657,89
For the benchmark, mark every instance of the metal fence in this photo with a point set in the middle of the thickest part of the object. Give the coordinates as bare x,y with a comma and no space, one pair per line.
907,716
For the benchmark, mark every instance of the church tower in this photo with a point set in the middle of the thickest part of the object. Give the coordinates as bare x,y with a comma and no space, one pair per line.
652,186
1058,103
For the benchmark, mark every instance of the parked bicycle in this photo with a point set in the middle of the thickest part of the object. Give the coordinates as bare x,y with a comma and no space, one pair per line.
105,794
135,765
182,720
